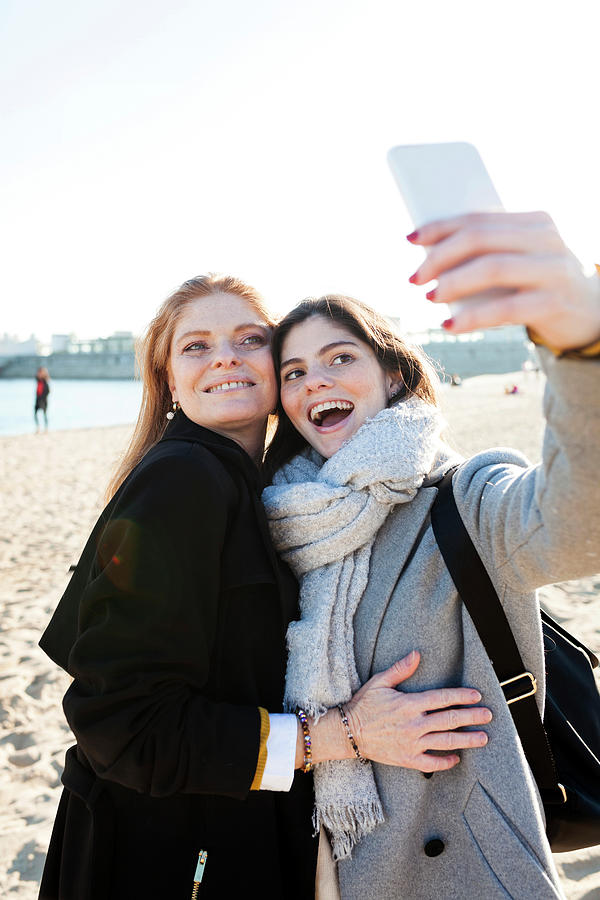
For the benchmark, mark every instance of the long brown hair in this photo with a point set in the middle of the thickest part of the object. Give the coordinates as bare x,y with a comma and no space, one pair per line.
153,353
406,362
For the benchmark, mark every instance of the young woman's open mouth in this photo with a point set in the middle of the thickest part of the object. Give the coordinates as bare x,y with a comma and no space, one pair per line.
329,413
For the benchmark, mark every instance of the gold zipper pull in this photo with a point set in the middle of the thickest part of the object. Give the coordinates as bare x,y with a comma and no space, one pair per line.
199,873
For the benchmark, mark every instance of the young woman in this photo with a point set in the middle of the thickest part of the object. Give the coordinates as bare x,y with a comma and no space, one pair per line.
173,629
356,460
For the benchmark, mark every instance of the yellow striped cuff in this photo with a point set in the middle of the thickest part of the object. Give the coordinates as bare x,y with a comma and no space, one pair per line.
265,727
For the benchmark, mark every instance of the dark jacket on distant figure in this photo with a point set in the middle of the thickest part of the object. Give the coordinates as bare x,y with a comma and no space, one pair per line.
173,628
42,389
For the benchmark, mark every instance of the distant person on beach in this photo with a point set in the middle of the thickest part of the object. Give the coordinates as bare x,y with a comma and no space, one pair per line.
356,463
42,389
173,629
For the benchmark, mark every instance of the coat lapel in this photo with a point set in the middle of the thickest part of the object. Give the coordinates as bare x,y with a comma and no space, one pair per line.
287,585
391,551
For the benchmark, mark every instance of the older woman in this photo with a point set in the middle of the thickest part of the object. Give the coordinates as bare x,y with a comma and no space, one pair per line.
356,461
173,629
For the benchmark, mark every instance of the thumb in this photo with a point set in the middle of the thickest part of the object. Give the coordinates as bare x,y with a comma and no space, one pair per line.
401,670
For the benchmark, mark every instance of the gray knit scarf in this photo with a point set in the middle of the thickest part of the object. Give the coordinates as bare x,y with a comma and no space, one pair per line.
324,517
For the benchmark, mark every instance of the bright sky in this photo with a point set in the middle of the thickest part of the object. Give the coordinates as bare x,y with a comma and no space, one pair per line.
146,142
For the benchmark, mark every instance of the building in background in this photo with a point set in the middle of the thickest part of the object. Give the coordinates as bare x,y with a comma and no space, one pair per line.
10,345
494,351
110,357
60,342
119,342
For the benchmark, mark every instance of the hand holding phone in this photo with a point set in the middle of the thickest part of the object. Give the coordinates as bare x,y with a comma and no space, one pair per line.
496,268
441,181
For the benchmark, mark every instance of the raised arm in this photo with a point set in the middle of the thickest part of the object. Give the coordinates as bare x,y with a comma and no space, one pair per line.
536,525
537,281
533,525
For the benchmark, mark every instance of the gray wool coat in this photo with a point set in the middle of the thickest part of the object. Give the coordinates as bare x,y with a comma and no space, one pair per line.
477,831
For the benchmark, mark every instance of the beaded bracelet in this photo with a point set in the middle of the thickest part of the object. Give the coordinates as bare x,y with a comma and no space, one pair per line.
306,737
359,755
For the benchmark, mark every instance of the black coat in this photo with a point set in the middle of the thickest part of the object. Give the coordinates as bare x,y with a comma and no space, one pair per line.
173,628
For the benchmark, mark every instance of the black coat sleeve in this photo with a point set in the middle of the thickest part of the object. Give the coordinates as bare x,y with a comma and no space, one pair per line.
147,623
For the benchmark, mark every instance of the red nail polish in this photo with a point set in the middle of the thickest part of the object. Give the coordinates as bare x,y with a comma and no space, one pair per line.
413,278
431,295
412,236
448,323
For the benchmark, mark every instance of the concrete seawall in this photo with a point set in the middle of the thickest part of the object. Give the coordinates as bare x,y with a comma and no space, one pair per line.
468,358
71,365
465,358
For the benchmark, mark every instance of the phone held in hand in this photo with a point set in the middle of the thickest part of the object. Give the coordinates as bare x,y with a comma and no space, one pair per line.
440,181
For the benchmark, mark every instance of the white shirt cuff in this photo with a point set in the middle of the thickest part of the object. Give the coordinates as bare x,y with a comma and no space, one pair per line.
281,752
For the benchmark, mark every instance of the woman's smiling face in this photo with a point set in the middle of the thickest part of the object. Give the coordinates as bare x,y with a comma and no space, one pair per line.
221,369
331,382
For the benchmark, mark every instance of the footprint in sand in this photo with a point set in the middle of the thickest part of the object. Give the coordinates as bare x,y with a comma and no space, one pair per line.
29,862
57,768
25,758
26,754
20,740
37,686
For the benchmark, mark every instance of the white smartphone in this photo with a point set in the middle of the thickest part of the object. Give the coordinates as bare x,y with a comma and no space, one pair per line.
439,181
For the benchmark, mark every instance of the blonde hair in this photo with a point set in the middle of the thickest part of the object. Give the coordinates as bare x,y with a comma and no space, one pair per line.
153,353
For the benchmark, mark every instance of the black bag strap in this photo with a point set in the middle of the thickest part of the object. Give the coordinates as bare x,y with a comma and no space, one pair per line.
479,596
555,626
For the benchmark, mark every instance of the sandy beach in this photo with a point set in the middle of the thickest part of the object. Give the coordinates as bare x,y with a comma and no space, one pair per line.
52,486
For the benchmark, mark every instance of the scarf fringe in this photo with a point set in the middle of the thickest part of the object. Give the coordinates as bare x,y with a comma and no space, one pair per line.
311,708
347,825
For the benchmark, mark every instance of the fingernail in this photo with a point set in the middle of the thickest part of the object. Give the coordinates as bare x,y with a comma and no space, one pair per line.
413,278
412,236
483,739
412,656
431,295
476,696
448,323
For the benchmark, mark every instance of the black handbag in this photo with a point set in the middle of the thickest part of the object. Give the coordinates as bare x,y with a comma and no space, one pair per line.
563,750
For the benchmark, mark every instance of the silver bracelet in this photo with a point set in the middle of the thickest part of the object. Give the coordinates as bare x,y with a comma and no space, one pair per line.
359,755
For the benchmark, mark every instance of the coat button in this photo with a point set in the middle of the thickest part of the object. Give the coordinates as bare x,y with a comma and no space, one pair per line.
434,847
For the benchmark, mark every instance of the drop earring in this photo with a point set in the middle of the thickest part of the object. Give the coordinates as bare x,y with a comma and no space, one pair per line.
171,413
